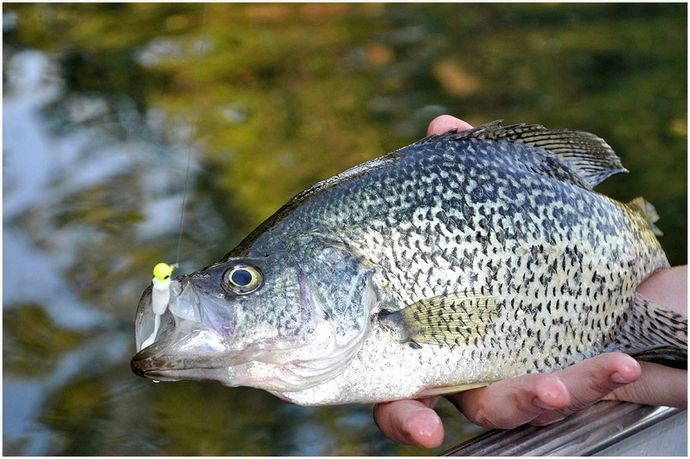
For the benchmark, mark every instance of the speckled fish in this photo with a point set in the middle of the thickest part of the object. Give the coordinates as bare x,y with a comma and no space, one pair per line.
462,259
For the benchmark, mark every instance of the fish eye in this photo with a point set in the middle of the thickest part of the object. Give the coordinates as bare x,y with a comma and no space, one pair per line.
243,279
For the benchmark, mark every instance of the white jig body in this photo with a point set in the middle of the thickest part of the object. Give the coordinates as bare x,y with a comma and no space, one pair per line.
160,297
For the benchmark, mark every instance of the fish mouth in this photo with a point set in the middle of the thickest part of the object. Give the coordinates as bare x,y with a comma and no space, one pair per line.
156,361
186,341
166,370
150,367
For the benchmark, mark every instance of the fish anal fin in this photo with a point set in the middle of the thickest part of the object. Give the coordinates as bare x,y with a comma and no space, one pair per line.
587,156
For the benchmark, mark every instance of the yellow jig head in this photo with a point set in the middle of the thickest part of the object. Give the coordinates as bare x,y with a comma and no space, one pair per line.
160,296
163,271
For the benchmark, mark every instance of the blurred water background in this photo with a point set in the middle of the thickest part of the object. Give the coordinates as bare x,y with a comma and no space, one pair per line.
104,104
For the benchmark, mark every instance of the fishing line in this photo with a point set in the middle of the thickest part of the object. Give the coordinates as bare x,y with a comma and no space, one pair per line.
162,272
193,121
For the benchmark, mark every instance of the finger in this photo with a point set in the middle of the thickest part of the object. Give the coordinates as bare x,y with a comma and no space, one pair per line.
658,385
547,417
668,287
513,402
411,422
445,123
592,379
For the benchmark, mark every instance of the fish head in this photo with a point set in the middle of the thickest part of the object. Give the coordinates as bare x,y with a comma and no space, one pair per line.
266,322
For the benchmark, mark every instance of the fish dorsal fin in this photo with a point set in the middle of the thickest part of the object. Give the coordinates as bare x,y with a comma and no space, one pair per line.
448,320
588,156
648,212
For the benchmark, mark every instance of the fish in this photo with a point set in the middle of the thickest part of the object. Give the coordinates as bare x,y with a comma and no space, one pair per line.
457,261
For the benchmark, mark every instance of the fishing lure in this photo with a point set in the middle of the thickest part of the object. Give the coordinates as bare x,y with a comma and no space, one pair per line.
160,297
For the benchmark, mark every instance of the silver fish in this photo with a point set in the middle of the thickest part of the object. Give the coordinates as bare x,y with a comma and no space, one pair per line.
462,259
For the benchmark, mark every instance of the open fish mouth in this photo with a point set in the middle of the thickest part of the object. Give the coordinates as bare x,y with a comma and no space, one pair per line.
166,360
184,309
184,343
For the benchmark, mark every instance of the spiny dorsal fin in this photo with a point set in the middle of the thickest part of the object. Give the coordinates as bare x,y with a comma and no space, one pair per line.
449,320
647,210
587,155
654,333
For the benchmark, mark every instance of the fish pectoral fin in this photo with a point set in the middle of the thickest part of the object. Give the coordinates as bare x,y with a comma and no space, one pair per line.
459,318
648,212
432,391
588,157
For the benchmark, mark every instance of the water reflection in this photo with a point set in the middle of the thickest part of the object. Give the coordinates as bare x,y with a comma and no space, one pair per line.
104,104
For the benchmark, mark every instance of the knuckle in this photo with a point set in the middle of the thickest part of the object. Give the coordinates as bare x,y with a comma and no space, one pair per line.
490,420
483,419
597,389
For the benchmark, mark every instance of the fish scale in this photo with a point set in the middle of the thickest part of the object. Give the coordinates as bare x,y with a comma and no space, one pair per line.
531,214
459,260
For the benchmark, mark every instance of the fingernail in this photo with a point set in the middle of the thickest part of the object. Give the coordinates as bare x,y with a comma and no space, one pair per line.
421,428
428,423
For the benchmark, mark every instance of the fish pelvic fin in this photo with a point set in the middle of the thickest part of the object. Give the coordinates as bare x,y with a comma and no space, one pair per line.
648,212
590,159
455,319
443,390
654,334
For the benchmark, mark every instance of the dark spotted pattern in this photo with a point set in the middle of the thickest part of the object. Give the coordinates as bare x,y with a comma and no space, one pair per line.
459,260
450,214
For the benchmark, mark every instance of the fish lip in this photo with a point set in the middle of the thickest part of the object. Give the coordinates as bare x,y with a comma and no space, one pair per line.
141,368
160,366
145,362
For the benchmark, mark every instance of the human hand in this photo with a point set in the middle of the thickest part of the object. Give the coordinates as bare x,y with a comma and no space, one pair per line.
541,399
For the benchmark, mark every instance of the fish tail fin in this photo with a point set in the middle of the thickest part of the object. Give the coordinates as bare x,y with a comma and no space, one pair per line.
648,212
654,334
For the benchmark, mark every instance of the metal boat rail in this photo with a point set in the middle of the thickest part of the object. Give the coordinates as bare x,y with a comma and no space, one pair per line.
604,429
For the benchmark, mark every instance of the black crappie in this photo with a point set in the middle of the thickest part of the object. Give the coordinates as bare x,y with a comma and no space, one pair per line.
462,259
